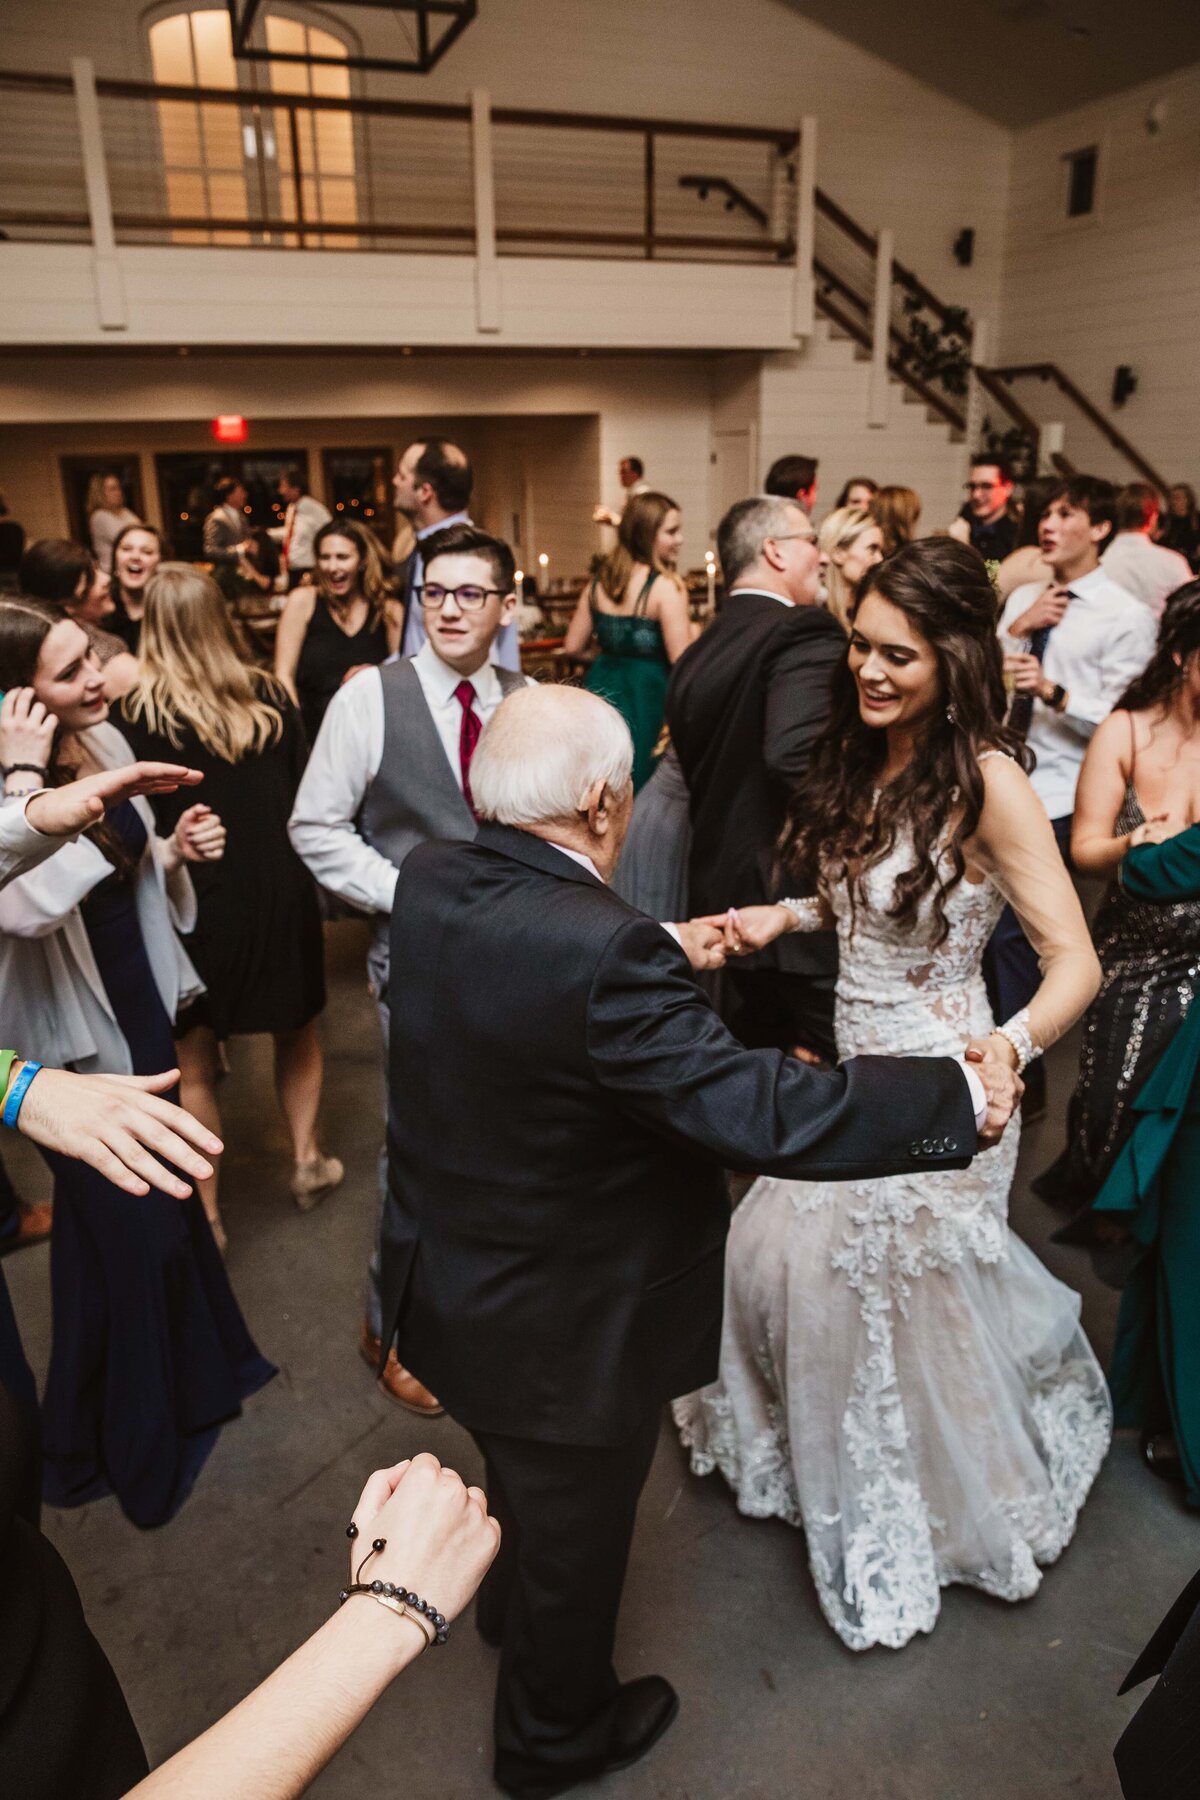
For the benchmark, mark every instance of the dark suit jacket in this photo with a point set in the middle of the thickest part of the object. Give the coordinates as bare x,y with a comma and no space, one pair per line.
745,705
563,1103
1158,1755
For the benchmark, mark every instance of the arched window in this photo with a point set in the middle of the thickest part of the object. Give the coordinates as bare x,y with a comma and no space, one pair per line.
224,163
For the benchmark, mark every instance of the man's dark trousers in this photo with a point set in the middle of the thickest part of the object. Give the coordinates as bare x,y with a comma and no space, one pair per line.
551,1598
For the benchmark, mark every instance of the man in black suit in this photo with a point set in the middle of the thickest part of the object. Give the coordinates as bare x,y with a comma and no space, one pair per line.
565,1102
745,706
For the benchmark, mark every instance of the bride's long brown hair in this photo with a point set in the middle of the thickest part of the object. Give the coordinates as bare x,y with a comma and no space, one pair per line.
840,822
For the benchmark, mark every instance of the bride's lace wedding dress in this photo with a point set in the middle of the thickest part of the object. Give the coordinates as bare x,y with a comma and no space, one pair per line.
900,1375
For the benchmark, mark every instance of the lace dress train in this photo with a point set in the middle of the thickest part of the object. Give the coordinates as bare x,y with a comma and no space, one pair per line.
900,1376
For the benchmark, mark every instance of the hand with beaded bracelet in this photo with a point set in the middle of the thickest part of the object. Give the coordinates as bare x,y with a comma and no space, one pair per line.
440,1541
1011,1043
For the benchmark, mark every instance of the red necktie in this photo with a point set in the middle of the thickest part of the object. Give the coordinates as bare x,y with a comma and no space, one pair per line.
468,737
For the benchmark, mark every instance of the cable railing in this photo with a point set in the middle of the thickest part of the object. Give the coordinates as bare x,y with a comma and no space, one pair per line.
238,166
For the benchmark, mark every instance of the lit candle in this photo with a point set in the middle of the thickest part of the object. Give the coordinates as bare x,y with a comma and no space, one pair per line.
710,570
519,583
543,572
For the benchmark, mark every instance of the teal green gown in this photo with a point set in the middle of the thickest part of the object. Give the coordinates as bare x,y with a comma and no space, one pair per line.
631,674
1154,1189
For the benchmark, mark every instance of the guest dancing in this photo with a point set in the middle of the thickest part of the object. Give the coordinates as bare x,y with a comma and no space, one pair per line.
150,1354
67,575
257,943
899,1375
1151,1192
137,553
851,543
1140,782
637,610
340,624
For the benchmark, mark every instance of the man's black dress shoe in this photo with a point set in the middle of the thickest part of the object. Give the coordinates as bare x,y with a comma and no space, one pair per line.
645,1710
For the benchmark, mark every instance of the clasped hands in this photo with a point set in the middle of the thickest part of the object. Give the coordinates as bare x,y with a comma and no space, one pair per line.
994,1061
709,942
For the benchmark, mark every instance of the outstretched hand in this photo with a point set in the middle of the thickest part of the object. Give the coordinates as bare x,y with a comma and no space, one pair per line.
748,928
121,1126
61,812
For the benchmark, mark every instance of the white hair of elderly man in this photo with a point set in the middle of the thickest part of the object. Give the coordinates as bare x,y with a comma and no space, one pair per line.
544,750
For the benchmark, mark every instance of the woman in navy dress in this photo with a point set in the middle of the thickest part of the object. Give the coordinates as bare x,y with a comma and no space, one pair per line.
150,1353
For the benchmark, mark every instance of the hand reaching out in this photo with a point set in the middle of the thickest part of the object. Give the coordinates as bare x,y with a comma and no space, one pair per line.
60,812
114,1123
1154,830
749,928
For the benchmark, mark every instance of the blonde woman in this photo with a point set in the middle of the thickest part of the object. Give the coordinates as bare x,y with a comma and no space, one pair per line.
341,624
108,516
850,543
257,943
637,609
896,511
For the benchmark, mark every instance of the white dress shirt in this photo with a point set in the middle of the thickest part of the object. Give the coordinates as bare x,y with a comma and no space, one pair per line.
345,761
301,523
1147,571
1102,641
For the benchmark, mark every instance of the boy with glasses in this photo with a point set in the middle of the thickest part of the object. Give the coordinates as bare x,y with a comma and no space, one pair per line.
391,768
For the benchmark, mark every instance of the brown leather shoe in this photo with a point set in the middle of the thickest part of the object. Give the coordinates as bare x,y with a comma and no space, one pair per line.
33,1227
396,1382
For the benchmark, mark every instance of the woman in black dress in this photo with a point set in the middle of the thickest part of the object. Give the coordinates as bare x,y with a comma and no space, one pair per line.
137,552
342,623
257,944
150,1354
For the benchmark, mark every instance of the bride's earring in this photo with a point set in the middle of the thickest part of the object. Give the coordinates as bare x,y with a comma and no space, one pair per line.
951,714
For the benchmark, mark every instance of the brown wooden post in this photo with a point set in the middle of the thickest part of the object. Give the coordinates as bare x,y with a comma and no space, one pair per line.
297,177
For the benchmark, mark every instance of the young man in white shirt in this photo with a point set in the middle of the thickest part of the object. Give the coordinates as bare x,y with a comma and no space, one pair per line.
1085,640
1149,571
391,769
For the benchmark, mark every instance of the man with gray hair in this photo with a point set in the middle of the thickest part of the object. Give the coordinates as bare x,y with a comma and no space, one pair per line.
564,1103
745,705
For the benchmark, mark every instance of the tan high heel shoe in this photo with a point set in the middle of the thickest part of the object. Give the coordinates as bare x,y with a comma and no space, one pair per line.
312,1180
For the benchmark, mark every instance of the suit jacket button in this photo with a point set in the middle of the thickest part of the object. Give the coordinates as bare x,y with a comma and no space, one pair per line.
951,1145
914,1149
927,1147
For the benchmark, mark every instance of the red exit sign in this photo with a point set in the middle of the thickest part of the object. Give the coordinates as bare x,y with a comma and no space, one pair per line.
230,428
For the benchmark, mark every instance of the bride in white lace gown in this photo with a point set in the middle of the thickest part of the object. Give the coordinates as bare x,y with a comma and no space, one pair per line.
900,1376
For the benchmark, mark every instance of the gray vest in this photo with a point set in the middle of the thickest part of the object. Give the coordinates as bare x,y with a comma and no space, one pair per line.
414,795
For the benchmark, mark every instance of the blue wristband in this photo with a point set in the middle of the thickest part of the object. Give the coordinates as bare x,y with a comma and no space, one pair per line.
16,1094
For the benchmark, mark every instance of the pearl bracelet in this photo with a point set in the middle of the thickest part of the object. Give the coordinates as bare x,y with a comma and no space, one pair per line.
1016,1032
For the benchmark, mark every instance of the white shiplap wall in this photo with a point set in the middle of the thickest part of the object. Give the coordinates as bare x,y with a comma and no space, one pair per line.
1121,287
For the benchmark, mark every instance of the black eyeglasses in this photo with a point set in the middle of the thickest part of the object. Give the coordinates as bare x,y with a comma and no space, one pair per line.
468,599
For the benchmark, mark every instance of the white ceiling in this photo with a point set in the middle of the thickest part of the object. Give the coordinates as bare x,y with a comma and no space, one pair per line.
1020,60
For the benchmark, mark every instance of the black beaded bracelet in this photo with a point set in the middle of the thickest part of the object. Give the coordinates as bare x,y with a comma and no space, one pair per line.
28,768
388,1590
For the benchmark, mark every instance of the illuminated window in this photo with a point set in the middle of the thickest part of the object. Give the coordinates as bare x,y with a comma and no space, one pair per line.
224,163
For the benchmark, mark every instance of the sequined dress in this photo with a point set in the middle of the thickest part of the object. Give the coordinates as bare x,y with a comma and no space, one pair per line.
1150,964
900,1376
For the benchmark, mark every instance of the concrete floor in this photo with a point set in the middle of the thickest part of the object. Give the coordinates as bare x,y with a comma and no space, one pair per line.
1000,1701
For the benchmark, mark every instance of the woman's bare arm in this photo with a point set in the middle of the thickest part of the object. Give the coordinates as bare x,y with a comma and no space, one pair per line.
1096,847
439,1544
670,598
1015,844
579,631
294,621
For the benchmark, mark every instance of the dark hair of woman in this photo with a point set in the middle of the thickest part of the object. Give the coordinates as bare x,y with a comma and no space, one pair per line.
266,556
1178,642
25,624
52,568
374,571
843,824
1035,498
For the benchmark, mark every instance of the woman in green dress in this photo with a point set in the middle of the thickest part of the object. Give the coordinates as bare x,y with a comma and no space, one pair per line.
1153,1190
636,608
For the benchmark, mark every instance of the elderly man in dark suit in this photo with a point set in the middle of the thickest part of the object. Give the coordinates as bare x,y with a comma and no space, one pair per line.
565,1102
745,706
